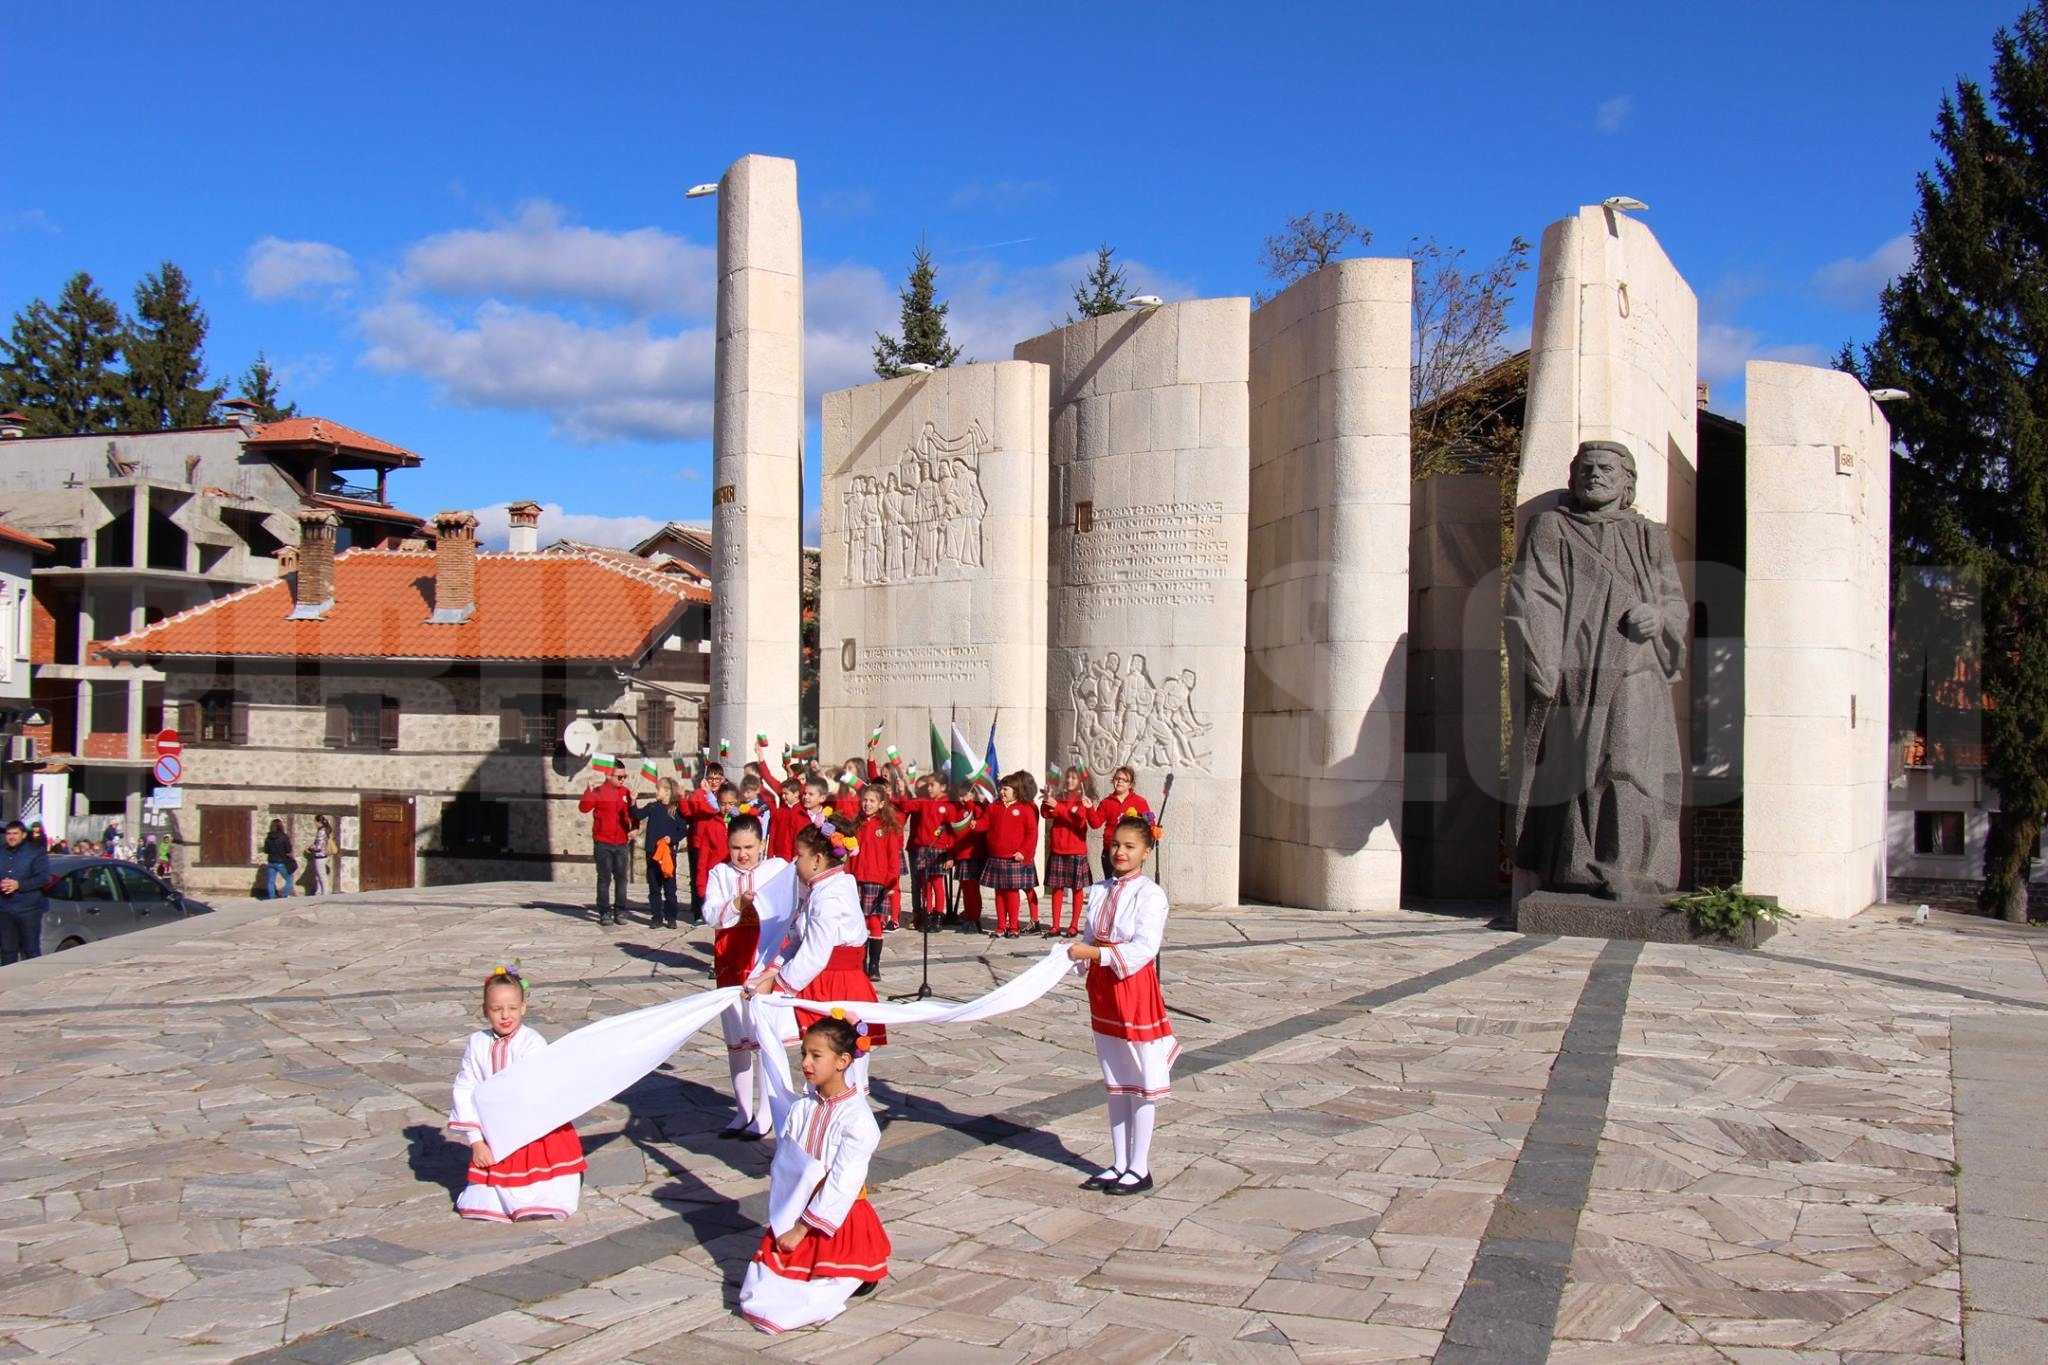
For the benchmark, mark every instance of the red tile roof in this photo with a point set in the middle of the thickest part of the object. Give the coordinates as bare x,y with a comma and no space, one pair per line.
354,507
294,431
529,607
22,538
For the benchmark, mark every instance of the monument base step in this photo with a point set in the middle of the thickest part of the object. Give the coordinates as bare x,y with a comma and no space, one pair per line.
1639,921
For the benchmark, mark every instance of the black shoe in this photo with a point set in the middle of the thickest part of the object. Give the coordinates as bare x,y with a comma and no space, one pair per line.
1126,1185
891,927
728,1134
867,1287
1102,1181
748,1135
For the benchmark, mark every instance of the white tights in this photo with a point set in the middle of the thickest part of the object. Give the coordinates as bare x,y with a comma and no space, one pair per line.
747,1078
1131,1120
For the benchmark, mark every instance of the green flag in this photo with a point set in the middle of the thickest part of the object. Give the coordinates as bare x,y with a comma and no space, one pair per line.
941,760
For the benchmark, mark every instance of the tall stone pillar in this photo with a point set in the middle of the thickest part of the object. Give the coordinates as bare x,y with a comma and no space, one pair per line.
932,586
1327,677
757,455
1816,668
1150,492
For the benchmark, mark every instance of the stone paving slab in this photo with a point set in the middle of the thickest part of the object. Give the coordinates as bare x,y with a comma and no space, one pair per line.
222,1141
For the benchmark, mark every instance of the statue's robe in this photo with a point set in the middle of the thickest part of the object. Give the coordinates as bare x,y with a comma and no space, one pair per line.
1599,812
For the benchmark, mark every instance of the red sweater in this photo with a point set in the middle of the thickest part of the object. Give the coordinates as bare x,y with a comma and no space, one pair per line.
1070,818
1110,810
1011,830
935,821
972,842
611,813
880,855
707,828
785,819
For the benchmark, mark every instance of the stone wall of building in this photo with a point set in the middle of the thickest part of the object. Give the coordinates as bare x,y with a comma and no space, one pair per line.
1326,680
1816,671
933,586
1150,490
757,442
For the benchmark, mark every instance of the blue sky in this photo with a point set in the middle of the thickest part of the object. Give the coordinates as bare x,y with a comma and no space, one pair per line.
462,229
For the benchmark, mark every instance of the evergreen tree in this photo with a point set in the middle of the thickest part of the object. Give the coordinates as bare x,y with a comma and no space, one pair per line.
1103,291
59,364
258,384
167,386
924,339
1965,330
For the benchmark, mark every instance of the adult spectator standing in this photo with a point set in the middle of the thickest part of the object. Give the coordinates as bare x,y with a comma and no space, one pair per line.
277,862
316,855
610,809
24,871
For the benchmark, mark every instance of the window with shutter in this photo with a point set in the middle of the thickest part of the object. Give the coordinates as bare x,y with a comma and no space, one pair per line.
187,721
387,723
225,835
238,721
337,725
511,727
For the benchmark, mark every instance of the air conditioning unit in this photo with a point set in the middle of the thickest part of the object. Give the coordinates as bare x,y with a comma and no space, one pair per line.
22,749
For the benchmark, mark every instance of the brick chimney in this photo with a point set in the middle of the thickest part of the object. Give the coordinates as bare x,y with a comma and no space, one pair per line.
454,568
525,527
313,589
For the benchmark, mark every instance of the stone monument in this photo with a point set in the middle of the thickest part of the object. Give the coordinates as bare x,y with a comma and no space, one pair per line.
1817,676
1596,635
933,583
1326,673
1150,487
757,439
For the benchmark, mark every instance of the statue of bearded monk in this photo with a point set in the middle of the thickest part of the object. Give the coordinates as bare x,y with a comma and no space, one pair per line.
1596,634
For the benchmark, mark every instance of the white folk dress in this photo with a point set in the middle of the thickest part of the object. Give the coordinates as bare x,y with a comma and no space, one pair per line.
819,1179
1133,1038
541,1179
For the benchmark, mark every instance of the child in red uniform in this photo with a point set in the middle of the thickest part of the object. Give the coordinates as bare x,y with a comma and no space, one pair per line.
1133,1039
1069,817
707,834
970,854
876,865
930,847
1011,828
1123,800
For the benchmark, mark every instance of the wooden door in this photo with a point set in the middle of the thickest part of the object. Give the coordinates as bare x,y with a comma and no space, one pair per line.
387,843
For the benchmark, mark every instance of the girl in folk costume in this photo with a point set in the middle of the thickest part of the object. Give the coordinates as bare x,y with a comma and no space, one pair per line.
1011,828
1068,816
667,834
877,865
735,947
539,1180
970,853
824,1244
1120,942
933,843
1122,802
827,937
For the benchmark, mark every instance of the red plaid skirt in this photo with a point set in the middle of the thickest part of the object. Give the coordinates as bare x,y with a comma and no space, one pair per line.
1068,872
1006,874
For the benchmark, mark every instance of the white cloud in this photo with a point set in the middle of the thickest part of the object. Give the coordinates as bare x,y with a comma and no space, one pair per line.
541,256
1611,114
1725,348
1856,281
493,527
277,269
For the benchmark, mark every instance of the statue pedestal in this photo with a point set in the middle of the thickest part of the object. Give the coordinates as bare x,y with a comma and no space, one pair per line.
1639,921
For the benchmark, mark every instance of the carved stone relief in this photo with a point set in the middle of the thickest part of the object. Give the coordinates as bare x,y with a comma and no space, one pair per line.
1121,716
921,517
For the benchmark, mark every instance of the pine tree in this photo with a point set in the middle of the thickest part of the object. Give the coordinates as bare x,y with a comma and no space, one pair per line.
924,339
59,366
1965,331
258,384
1103,291
167,386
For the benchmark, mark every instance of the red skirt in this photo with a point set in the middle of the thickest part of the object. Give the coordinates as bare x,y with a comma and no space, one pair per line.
557,1153
1130,1007
858,1251
844,978
732,954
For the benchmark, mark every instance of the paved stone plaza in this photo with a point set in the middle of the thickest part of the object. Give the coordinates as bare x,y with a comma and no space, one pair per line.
1394,1136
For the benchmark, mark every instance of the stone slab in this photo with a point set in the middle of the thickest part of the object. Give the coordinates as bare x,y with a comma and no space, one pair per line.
1553,912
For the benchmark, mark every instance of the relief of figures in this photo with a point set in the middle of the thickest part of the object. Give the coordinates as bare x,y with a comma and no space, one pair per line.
921,518
1122,717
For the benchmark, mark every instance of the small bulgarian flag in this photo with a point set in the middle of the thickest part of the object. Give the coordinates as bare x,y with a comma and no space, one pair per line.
724,748
805,751
604,762
648,770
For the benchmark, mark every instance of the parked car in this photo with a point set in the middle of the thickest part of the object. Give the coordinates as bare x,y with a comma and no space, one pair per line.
96,898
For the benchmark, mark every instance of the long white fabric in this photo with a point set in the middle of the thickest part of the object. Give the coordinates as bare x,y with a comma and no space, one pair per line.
583,1069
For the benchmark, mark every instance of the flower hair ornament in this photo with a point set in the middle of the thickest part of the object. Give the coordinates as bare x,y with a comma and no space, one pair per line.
847,844
861,1042
509,972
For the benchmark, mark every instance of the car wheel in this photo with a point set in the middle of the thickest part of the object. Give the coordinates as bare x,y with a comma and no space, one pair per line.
72,942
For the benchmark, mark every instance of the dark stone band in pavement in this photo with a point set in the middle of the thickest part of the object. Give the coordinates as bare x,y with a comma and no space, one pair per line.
1918,983
1508,1310
544,1277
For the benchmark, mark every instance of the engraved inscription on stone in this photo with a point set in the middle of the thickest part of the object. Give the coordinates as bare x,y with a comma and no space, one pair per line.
897,667
922,517
1121,716
1151,554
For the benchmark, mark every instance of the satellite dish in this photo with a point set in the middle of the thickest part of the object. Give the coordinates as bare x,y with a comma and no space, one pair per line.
579,737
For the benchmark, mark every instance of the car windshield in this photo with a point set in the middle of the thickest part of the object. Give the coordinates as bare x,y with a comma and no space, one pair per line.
87,884
139,885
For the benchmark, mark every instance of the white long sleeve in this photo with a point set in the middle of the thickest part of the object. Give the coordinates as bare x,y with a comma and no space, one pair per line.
463,1121
829,918
1136,923
722,891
